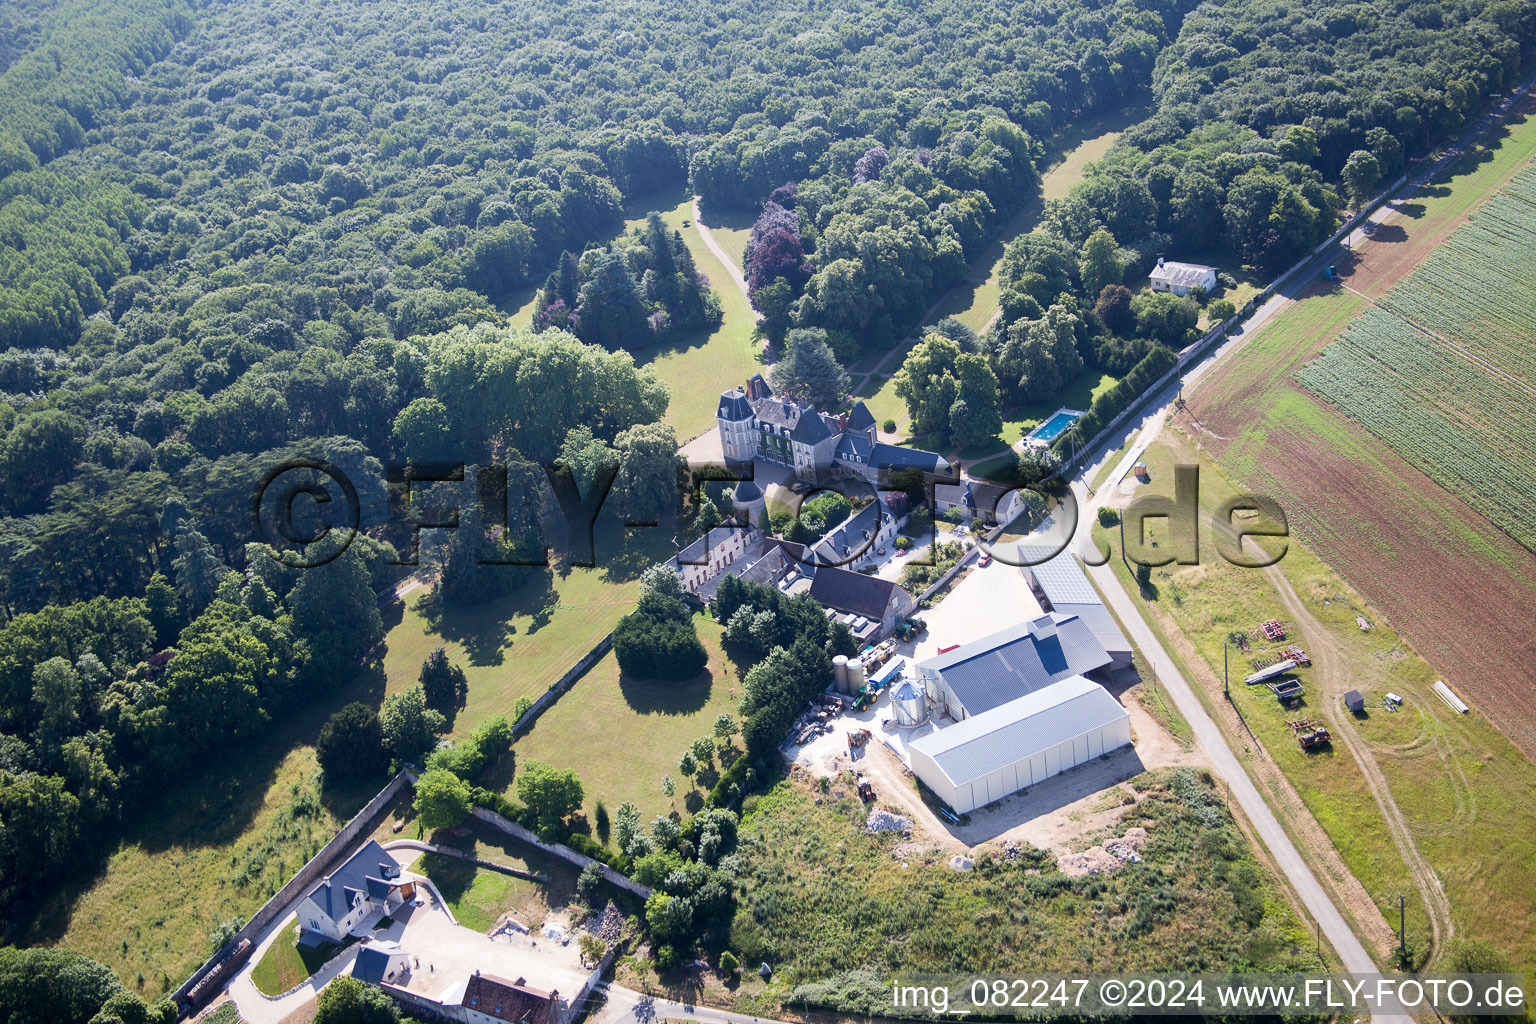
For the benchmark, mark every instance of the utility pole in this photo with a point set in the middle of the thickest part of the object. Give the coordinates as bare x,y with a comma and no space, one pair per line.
1226,686
1402,931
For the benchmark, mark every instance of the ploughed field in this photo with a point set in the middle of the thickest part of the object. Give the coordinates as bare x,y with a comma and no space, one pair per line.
1425,552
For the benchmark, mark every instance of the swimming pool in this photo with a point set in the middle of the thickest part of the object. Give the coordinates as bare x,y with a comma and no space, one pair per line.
1053,428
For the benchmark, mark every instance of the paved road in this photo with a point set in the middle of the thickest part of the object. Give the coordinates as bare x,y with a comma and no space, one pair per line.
1297,872
626,1006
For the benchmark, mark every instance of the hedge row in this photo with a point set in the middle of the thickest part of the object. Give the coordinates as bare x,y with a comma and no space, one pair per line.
1118,398
582,844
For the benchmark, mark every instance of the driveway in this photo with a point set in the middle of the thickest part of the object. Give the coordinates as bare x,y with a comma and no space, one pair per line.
444,955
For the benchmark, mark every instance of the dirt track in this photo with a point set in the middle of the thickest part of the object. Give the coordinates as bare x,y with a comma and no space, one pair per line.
1331,671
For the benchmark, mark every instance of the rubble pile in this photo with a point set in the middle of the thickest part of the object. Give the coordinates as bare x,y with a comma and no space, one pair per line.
885,821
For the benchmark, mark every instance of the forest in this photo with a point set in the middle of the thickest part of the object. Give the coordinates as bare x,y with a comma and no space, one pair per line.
234,235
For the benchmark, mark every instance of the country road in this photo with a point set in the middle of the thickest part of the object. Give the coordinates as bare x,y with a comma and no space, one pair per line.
1298,873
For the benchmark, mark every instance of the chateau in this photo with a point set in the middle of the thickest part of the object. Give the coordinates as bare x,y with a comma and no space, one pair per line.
755,424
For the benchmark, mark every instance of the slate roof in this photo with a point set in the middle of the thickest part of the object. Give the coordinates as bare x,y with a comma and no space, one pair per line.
892,456
1020,728
334,894
845,591
746,491
372,962
851,444
860,418
509,1001
853,537
1184,275
777,413
810,428
994,670
734,405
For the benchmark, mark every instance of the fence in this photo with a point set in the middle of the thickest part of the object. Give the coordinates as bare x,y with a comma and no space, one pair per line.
362,823
565,853
559,686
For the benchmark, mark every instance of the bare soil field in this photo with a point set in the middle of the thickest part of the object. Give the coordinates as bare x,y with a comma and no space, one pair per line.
1458,588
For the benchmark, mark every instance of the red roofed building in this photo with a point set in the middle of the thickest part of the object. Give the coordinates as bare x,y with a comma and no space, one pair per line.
488,999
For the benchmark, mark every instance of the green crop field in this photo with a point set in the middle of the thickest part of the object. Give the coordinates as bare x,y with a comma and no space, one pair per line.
1452,776
1443,368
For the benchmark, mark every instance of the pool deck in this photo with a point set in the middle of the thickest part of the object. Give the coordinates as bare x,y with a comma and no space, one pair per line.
1038,436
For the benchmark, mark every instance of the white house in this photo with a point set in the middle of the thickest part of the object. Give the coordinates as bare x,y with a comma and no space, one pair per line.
369,881
712,554
756,424
1179,278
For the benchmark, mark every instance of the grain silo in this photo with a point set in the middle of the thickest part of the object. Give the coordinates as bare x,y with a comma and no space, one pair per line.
855,675
840,673
909,704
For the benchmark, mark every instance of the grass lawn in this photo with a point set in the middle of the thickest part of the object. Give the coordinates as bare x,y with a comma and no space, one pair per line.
1452,776
286,963
519,645
699,367
622,735
479,896
1090,384
213,845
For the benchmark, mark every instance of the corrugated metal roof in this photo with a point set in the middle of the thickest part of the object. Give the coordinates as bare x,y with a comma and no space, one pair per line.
1021,728
1100,623
996,669
1061,579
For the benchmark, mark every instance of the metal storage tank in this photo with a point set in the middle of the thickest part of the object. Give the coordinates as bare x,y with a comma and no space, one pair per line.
855,675
840,673
910,705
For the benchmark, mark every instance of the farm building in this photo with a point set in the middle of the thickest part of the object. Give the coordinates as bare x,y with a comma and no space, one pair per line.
1179,278
1063,590
1017,744
987,673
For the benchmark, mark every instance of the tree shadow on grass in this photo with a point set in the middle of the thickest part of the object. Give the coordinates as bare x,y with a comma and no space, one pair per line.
498,775
202,808
662,697
484,630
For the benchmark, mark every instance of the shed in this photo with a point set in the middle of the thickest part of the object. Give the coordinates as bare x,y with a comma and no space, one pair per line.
1017,744
1354,701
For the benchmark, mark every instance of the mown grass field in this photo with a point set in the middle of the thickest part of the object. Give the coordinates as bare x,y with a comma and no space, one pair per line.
479,896
699,366
1453,777
821,897
622,735
518,645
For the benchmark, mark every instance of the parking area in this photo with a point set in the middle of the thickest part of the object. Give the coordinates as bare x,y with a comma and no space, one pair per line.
990,598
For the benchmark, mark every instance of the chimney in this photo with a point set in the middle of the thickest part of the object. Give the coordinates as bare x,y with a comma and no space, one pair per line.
1043,628
1159,261
842,422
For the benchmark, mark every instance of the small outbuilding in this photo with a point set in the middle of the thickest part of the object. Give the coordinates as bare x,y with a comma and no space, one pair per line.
1181,278
1354,701
1017,744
